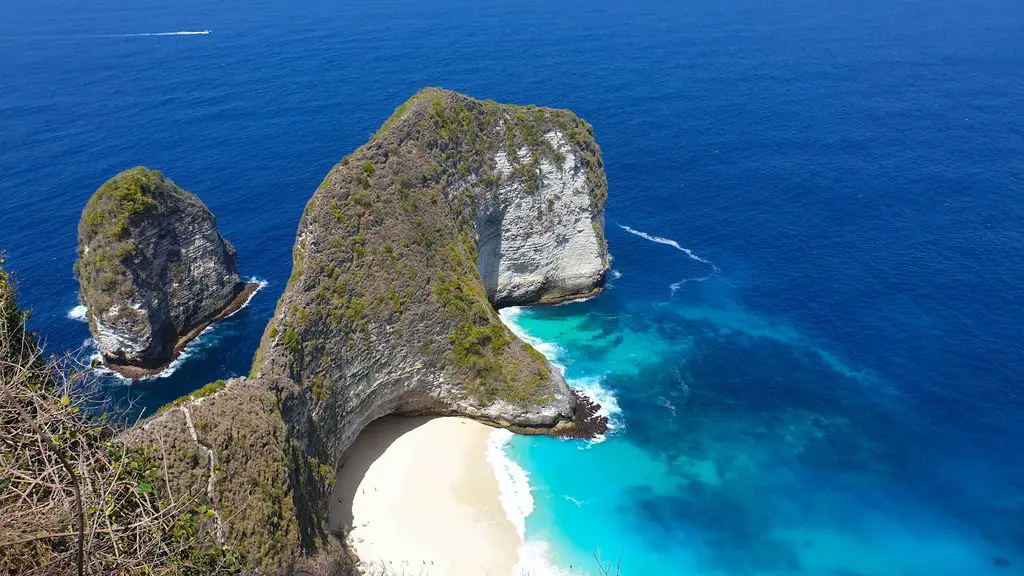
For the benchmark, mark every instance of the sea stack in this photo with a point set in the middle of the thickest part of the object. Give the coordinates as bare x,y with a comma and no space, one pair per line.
153,270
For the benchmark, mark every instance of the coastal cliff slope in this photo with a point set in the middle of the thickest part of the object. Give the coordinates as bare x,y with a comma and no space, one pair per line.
78,498
390,309
152,268
456,205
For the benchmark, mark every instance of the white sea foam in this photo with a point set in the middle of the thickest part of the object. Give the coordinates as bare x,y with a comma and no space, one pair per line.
513,482
517,502
667,404
551,351
79,313
578,503
190,349
187,352
260,285
675,286
616,274
672,243
533,560
591,386
96,361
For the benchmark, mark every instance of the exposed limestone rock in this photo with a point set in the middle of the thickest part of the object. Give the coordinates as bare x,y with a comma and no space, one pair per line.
386,310
560,254
455,206
153,270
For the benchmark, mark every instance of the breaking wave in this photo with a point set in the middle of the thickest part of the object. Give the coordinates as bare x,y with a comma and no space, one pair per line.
79,313
589,385
513,482
190,349
260,285
517,502
510,317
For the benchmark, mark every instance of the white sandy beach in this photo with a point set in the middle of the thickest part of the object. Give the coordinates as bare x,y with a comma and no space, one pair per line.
421,498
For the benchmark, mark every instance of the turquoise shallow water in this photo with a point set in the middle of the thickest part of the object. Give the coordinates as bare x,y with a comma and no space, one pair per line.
738,447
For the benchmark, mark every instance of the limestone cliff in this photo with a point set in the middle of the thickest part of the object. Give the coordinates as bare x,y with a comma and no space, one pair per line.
153,269
454,207
540,225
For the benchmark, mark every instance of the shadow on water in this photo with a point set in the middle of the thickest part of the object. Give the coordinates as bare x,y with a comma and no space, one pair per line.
371,443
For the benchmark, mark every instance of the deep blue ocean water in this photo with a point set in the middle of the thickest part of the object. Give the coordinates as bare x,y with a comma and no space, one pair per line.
836,389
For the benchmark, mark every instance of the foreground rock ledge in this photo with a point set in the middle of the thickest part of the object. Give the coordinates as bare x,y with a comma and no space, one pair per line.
153,271
455,207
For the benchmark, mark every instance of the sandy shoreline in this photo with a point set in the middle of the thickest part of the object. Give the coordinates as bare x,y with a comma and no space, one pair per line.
421,498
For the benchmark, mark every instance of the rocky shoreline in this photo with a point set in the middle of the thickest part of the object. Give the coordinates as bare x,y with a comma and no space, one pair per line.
568,299
142,372
455,208
588,422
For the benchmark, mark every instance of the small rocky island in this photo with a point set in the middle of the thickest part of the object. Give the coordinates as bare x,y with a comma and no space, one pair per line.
454,208
153,271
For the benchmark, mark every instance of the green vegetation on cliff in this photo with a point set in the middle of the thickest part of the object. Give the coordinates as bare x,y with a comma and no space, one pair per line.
152,268
385,311
104,236
387,245
76,496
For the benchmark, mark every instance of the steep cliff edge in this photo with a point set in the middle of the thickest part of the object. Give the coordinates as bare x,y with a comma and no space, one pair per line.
153,270
454,206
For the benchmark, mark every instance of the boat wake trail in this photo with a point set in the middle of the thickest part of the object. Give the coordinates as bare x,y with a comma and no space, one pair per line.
672,243
689,253
675,286
145,34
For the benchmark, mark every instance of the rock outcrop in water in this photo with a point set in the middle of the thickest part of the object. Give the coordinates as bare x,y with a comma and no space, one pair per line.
455,207
153,270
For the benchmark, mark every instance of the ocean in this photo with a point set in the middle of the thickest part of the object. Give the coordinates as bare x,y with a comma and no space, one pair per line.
810,347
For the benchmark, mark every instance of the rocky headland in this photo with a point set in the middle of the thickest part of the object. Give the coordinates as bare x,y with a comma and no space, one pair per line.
455,208
153,271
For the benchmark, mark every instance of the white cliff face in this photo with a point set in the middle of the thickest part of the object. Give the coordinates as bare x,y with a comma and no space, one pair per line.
114,338
544,246
402,254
